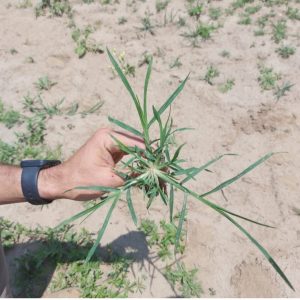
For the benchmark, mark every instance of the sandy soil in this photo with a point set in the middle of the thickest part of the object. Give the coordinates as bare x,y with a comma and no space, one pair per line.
245,120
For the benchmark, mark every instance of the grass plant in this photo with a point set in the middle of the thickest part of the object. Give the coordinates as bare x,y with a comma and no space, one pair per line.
158,170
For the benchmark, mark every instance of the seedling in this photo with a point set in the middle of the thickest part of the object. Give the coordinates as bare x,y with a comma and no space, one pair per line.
280,91
147,25
245,20
56,7
293,13
210,74
161,5
227,86
267,78
252,9
215,13
157,171
195,10
176,63
286,51
83,43
122,20
279,31
8,117
44,83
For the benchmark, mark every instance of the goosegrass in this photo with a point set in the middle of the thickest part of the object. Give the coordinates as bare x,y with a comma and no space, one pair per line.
158,170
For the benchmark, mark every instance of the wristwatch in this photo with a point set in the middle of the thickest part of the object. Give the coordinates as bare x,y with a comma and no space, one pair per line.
29,179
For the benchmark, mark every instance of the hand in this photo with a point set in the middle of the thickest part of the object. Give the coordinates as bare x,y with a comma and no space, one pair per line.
91,165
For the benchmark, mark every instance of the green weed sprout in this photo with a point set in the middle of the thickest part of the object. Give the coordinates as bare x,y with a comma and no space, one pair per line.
158,171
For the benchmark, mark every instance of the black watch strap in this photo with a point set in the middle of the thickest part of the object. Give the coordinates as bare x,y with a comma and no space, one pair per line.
29,179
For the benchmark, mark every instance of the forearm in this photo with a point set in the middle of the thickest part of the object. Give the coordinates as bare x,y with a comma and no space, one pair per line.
49,184
10,180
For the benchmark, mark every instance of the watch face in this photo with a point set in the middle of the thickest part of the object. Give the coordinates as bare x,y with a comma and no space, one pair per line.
38,163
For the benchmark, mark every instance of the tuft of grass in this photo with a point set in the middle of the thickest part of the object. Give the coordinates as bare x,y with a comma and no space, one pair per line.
147,25
159,170
245,20
214,13
281,90
286,51
9,117
211,73
56,8
44,83
195,10
252,9
184,280
176,63
293,13
279,31
161,5
267,78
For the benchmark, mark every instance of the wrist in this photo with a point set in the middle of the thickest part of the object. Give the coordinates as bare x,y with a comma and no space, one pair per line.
50,183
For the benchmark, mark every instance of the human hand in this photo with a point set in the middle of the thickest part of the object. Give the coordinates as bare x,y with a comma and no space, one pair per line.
93,164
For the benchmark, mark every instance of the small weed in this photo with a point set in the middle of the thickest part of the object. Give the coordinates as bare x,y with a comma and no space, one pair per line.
87,1
181,22
122,20
240,3
285,51
44,83
202,31
262,21
252,9
83,43
225,53
245,20
293,13
8,117
13,51
279,31
176,63
214,13
161,5
267,78
280,91
55,7
227,86
184,280
210,74
93,109
195,10
147,25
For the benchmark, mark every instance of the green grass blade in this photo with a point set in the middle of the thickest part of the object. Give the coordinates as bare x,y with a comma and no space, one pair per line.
102,230
170,100
99,188
131,208
181,221
261,249
176,154
148,74
233,179
82,213
170,180
125,126
200,169
171,202
128,86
